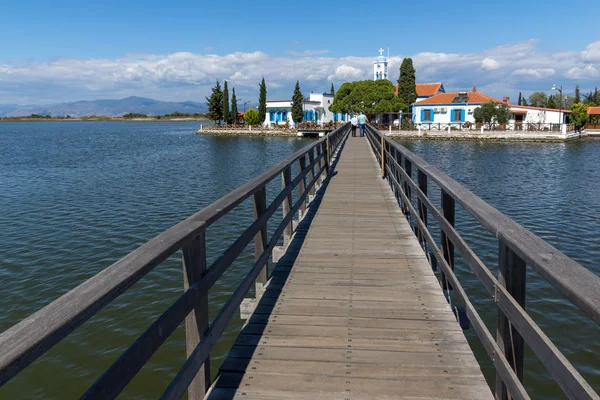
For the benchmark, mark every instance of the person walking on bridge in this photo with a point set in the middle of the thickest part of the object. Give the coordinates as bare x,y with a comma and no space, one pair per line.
354,122
362,120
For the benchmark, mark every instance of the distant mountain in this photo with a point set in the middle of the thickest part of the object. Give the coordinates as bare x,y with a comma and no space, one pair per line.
109,108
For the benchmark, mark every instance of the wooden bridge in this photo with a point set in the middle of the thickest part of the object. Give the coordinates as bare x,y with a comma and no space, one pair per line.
350,306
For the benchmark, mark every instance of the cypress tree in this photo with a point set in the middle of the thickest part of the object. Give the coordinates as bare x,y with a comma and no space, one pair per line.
215,104
297,99
262,102
407,88
234,110
577,94
523,101
520,99
225,104
332,89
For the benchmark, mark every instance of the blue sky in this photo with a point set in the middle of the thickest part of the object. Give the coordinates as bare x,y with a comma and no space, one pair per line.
70,50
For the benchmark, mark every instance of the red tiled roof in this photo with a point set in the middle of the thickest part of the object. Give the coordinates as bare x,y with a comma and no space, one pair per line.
424,89
446,98
428,89
539,108
593,110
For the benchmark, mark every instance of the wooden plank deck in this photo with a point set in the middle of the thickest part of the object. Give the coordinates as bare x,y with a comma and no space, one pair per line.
353,310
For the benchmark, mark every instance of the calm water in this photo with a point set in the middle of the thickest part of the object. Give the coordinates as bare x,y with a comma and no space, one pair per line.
75,197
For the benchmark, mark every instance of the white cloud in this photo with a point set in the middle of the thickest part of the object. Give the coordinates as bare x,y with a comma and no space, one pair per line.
590,71
308,53
592,53
346,72
508,69
534,73
489,64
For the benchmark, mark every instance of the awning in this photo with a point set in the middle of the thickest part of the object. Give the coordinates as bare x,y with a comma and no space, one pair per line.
520,112
593,110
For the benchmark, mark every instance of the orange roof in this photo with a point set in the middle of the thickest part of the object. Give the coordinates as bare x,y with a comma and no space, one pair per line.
428,89
539,108
593,110
446,98
424,89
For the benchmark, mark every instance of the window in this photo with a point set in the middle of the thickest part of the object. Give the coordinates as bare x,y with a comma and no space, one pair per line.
427,115
335,117
272,114
284,115
343,116
457,115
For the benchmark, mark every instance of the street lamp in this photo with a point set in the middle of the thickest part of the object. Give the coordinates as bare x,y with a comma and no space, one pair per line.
561,99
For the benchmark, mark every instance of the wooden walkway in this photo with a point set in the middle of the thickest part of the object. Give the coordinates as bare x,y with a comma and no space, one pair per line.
353,310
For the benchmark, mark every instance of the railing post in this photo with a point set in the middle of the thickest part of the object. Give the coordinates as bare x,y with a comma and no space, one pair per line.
511,275
448,208
382,155
397,157
320,162
326,156
302,185
311,172
196,323
286,180
407,191
260,239
422,181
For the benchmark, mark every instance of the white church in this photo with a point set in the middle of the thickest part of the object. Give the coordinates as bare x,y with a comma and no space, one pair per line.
316,107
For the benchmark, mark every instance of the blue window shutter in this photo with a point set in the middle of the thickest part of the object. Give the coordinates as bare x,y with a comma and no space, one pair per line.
432,114
462,115
422,114
452,115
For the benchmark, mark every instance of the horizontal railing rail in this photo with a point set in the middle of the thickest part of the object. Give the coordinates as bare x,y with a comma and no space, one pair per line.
31,338
518,248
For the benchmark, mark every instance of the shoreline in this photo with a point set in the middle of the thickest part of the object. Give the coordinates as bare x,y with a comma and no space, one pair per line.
102,119
495,136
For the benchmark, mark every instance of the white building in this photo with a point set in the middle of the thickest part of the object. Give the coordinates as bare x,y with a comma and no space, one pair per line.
458,108
380,67
316,109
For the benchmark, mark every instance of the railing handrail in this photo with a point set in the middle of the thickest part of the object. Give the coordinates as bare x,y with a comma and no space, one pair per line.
515,326
570,278
29,339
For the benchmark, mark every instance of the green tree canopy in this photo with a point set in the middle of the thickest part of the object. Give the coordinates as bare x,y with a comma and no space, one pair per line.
262,101
251,117
225,112
553,102
297,99
234,110
407,88
492,112
579,115
538,99
367,97
577,94
215,104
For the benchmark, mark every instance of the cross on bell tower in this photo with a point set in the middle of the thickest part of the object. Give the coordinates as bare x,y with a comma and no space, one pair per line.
380,67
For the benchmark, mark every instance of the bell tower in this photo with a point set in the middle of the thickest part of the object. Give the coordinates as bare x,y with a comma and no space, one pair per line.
380,67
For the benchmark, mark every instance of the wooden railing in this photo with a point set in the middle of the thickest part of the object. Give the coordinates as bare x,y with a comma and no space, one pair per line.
518,248
591,125
31,338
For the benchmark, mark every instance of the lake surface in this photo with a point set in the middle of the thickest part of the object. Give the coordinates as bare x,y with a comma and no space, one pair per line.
75,197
